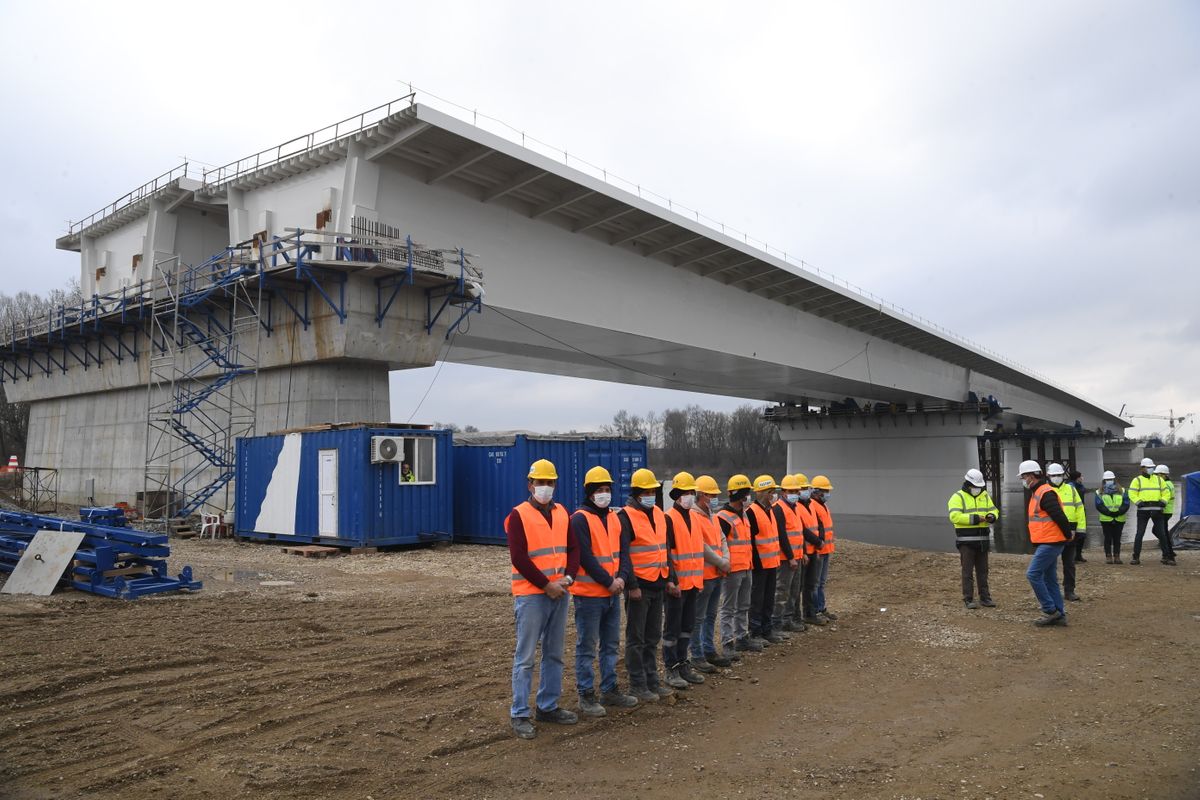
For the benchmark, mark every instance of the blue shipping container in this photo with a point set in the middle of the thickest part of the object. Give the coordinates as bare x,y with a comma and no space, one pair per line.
490,474
321,487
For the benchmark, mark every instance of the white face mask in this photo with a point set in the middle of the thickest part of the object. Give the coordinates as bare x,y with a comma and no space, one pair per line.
1057,480
647,501
1110,485
806,494
687,501
602,499
543,494
975,490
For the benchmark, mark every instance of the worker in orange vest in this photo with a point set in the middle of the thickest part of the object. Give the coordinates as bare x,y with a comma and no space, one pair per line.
792,518
704,654
821,489
766,558
604,568
545,560
685,553
1049,530
814,542
737,585
644,528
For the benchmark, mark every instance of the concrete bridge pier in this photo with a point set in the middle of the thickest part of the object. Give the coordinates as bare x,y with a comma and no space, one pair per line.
894,465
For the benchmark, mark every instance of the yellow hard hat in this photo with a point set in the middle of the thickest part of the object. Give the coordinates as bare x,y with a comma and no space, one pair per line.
821,482
764,483
802,479
707,485
542,470
644,479
597,475
790,482
737,482
684,482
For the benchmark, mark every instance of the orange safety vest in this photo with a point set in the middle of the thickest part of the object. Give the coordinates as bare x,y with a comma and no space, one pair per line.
688,553
822,514
738,540
1042,529
791,522
648,548
808,522
606,547
710,534
547,544
767,541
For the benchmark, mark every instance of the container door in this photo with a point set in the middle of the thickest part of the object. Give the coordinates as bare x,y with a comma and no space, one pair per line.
327,500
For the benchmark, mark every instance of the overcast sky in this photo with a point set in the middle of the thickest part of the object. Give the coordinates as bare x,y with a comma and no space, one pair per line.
1026,174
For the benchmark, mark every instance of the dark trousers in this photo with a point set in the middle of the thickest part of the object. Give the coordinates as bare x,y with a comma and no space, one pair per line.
973,556
1076,546
1068,562
762,601
1158,528
677,628
643,631
812,576
1112,537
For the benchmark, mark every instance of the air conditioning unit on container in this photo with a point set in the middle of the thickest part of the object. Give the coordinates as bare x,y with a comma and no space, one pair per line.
386,449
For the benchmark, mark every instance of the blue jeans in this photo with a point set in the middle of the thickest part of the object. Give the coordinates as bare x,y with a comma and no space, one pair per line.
1043,576
539,619
597,620
822,574
708,604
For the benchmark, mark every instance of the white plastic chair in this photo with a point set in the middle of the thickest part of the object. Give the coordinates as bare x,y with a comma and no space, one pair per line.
213,523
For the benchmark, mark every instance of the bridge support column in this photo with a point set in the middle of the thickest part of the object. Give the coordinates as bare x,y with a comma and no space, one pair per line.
896,465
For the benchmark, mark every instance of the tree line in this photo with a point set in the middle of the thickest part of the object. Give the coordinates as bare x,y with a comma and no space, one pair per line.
699,438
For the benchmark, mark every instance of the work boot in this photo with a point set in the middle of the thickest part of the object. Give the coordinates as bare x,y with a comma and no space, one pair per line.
1048,619
702,665
749,645
523,728
762,643
1061,621
690,675
559,716
987,602
793,626
589,706
730,650
674,679
776,637
1117,560
643,694
828,614
1079,559
815,620
1073,597
618,699
663,691
718,660
1170,562
1135,561
971,603
1108,559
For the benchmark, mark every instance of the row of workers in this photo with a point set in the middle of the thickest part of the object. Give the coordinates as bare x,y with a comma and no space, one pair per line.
1057,522
706,581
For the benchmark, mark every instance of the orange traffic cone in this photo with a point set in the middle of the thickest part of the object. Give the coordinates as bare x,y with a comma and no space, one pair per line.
13,465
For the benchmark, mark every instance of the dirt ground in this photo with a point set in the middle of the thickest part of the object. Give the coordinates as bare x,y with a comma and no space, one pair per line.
388,677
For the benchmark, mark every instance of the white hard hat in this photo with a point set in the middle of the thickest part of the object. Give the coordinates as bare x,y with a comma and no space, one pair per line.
1028,467
1147,462
1055,469
1162,469
975,478
1108,475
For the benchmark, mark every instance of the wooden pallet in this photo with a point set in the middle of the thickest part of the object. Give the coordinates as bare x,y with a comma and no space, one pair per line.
313,551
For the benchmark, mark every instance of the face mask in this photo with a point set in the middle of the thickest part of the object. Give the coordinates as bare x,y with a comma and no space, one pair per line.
1110,485
1057,480
791,498
543,494
714,503
601,499
647,501
975,490
806,494
686,502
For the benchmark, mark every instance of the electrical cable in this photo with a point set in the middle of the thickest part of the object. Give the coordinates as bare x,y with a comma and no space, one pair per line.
428,389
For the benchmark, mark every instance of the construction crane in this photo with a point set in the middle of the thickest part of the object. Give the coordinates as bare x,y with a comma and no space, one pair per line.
1170,417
